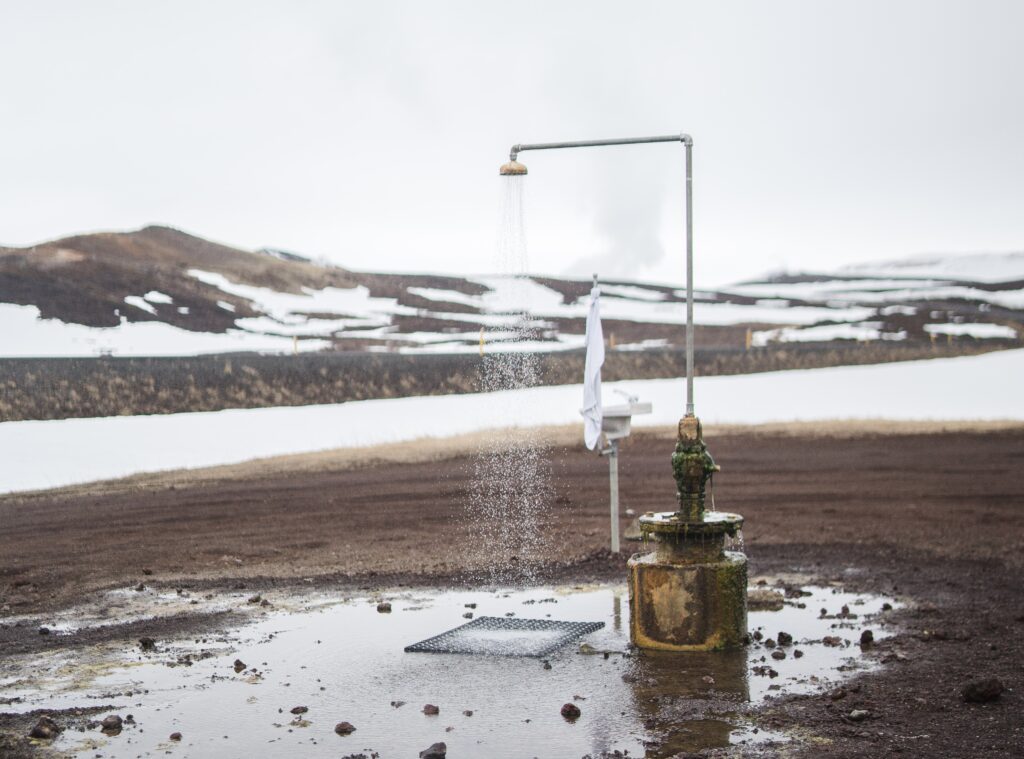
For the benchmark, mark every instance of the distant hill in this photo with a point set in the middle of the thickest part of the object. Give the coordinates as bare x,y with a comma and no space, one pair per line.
161,291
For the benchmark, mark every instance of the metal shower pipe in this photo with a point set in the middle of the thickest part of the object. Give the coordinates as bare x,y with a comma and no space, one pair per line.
688,144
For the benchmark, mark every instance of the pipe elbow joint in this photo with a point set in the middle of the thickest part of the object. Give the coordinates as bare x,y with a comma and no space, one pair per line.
514,152
686,139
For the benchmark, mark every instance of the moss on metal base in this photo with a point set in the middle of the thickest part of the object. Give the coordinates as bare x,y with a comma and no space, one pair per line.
688,607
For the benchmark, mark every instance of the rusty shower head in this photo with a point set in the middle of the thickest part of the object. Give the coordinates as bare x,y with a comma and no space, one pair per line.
512,169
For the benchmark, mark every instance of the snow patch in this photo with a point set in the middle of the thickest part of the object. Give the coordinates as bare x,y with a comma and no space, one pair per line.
45,454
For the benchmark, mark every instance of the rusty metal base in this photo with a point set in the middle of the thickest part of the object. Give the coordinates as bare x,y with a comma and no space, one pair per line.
688,607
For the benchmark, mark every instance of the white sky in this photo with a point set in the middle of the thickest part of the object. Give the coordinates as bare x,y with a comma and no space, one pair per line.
371,133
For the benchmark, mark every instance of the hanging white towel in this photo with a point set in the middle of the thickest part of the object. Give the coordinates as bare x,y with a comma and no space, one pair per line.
592,373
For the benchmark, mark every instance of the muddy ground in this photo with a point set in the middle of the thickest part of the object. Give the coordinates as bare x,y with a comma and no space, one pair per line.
933,516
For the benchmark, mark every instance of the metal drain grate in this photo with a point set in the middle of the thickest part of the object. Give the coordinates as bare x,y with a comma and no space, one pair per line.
505,636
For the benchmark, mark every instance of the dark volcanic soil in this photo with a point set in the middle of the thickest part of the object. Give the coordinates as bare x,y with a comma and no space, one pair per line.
935,518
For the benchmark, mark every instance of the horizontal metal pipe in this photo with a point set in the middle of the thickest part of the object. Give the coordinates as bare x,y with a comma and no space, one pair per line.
517,149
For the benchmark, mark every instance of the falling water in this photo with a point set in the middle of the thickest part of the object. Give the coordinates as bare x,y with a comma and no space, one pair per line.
511,471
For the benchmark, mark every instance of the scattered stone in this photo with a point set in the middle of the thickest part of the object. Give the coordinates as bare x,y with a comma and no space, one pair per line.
139,588
468,712
763,599
239,665
112,725
778,654
708,679
837,694
344,728
547,664
887,606
983,691
797,653
255,599
785,639
867,638
384,607
859,715
264,603
769,643
175,737
147,644
571,711
431,709
845,611
757,635
300,709
833,641
147,572
436,751
468,615
45,729
44,630
470,606
397,704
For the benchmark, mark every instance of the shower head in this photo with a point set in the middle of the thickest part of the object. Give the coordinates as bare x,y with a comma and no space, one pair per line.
512,169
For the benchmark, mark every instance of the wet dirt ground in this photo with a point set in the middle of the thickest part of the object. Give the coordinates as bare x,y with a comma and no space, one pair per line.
936,519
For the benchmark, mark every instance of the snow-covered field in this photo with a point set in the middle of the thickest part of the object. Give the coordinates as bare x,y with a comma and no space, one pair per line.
864,302
45,454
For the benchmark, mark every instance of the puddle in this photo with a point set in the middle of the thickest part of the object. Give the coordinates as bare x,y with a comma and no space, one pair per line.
344,661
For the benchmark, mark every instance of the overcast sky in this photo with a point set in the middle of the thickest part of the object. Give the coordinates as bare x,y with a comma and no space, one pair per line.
371,133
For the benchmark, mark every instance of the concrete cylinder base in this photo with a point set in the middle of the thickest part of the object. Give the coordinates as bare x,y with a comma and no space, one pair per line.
688,606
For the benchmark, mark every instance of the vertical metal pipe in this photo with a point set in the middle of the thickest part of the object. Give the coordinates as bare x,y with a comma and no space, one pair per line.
689,277
613,478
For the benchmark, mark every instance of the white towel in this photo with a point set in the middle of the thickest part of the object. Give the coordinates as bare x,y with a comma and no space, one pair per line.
592,373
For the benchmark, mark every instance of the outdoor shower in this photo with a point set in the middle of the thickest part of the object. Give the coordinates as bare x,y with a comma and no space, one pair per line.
690,593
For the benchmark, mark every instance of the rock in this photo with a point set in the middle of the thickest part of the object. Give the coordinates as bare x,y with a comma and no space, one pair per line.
239,665
797,653
300,709
785,639
344,728
397,704
983,691
147,644
430,709
769,643
436,751
867,638
571,711
547,664
470,606
147,572
887,606
45,729
255,599
763,599
139,588
384,607
778,654
708,679
837,694
468,615
468,712
859,715
833,641
175,737
44,630
111,725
